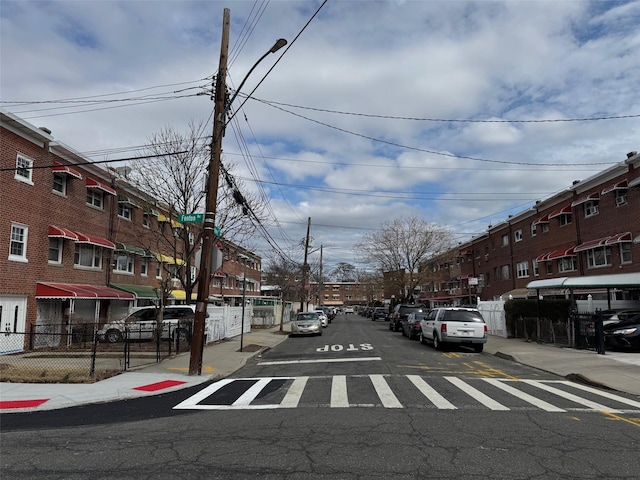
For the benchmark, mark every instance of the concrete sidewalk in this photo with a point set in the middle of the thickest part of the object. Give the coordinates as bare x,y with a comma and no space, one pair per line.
614,370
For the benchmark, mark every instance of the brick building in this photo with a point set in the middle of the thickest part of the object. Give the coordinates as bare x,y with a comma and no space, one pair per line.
591,228
83,245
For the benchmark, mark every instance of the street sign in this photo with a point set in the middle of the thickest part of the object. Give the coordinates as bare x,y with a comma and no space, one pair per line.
191,217
216,231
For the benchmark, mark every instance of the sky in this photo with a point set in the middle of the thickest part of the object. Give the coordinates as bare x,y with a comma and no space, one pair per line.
460,113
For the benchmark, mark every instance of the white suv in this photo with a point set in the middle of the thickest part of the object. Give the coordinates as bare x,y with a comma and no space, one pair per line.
460,325
143,323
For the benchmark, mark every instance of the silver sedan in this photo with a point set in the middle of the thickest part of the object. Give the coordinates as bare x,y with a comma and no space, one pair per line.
306,323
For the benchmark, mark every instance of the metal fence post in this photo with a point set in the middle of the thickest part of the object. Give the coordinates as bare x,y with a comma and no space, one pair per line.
92,370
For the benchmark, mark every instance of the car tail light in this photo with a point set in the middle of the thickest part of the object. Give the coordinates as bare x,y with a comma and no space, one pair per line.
486,330
416,324
443,327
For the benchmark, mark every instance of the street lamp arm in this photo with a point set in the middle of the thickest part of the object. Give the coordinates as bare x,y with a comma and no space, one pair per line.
281,42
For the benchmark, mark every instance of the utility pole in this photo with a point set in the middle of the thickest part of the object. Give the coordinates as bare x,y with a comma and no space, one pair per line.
305,268
208,236
320,284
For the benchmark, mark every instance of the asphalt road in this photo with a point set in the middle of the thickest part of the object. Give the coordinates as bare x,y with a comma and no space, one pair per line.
358,402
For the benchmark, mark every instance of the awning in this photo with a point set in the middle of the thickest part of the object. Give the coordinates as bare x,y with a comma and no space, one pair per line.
518,293
59,168
543,219
601,242
568,252
618,186
621,280
91,183
93,240
174,223
562,211
71,290
593,196
619,238
634,183
60,232
140,291
182,295
151,211
130,249
127,200
637,239
169,259
542,258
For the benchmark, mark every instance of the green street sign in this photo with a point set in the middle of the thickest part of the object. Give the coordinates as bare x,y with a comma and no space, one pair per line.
191,217
217,232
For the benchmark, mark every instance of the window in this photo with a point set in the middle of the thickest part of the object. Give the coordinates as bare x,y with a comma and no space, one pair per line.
158,269
599,257
591,208
124,211
55,250
505,240
145,221
24,169
517,235
536,268
534,229
564,219
18,242
621,197
522,269
60,183
625,252
144,267
504,272
123,263
544,227
88,255
567,264
94,197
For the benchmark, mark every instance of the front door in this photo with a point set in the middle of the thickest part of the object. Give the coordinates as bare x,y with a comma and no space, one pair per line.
13,318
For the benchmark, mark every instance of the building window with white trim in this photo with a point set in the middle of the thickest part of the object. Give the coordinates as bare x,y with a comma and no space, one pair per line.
504,272
517,235
144,267
24,169
536,268
522,269
88,256
94,197
591,208
60,183
564,220
599,257
123,263
567,264
625,252
55,250
124,211
18,242
534,229
505,240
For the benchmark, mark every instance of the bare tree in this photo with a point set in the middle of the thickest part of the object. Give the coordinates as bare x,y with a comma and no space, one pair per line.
404,245
371,283
287,276
176,179
344,272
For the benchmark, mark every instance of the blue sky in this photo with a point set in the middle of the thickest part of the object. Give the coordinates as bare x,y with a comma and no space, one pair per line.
378,109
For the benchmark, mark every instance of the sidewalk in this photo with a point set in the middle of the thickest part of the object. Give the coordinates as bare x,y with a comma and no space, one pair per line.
617,371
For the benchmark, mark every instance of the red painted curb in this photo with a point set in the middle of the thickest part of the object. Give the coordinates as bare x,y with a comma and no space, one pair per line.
7,404
154,387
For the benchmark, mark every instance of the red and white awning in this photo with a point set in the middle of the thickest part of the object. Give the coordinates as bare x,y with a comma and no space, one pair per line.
601,242
562,211
592,197
60,232
91,183
71,290
59,168
618,186
543,219
94,240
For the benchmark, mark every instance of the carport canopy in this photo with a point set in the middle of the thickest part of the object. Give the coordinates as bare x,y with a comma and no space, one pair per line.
72,290
617,280
140,291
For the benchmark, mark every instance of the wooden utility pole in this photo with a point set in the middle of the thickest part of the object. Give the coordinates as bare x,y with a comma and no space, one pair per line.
208,236
305,269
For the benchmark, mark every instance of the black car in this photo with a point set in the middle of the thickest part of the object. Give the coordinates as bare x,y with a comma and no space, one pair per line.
380,313
411,326
400,313
624,334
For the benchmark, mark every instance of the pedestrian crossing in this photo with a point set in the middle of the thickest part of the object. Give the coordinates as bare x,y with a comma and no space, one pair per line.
406,391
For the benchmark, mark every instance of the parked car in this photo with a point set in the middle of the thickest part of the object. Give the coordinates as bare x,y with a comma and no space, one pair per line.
306,323
411,326
459,325
349,310
330,312
624,334
142,324
400,313
613,316
324,319
379,313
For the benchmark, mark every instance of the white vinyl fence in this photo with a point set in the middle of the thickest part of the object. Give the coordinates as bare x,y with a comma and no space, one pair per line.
494,316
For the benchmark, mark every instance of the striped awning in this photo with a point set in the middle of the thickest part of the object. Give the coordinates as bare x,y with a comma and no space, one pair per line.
543,219
131,249
126,200
593,197
60,232
601,242
59,168
561,211
618,186
91,183
72,290
95,240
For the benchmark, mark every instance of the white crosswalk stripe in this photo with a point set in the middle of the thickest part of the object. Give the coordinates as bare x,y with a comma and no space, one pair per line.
387,391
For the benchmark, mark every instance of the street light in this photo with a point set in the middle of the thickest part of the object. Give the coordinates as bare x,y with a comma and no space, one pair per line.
208,234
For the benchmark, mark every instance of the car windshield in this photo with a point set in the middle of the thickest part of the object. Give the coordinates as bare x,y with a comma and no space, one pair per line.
463,316
307,316
419,316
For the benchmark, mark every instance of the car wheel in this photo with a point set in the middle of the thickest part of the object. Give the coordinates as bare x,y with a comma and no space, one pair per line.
113,336
390,325
436,342
479,347
423,341
182,334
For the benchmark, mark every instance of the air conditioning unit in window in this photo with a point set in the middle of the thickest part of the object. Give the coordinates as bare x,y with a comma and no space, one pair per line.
175,283
620,200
